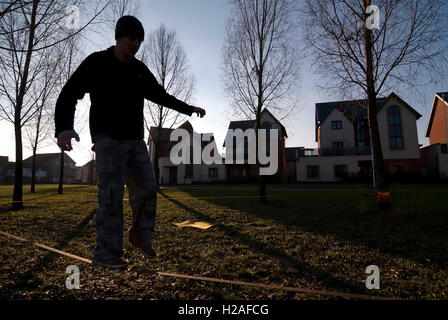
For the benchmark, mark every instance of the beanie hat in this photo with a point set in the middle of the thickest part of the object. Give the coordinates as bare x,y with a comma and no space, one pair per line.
129,25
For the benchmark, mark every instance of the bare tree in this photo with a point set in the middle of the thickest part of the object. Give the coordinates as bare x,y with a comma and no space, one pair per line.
11,6
361,61
165,56
119,8
260,61
39,127
108,19
25,34
73,57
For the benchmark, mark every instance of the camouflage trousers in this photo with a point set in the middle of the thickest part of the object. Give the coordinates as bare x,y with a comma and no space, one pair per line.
117,163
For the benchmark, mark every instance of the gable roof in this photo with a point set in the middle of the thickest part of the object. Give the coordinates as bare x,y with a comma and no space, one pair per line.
166,132
89,163
243,125
187,126
443,96
281,126
247,124
47,157
354,109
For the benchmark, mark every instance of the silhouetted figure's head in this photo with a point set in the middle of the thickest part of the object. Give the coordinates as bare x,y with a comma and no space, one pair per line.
129,35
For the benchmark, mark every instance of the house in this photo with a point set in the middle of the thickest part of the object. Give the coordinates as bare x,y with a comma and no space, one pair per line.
47,168
344,148
247,172
291,157
184,173
10,172
85,174
435,155
3,169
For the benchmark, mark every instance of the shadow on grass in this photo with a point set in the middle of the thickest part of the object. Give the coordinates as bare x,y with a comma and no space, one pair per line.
415,228
306,271
27,280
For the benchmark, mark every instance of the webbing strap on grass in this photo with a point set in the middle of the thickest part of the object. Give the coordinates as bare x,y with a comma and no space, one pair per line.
277,287
242,283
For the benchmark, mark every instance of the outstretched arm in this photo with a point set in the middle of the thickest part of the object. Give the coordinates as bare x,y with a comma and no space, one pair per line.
74,89
157,94
199,111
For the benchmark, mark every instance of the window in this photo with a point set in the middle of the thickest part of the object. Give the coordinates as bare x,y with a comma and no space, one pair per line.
398,168
338,148
395,134
312,172
212,172
338,144
362,134
336,125
340,171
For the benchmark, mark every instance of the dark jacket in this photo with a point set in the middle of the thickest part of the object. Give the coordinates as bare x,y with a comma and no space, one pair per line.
117,92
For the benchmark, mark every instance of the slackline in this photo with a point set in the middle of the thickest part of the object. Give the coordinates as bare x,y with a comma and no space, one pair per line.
242,283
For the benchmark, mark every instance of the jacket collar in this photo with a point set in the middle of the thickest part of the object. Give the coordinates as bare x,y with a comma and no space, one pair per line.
110,53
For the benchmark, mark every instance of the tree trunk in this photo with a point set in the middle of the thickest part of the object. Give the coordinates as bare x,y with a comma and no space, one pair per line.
61,173
157,155
261,180
17,199
93,174
18,178
33,171
378,161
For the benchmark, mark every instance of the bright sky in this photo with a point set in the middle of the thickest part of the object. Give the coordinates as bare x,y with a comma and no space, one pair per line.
200,28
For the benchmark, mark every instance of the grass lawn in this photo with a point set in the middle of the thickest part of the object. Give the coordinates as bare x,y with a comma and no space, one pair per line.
305,236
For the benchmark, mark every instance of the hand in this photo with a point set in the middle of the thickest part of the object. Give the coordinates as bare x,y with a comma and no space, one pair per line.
65,139
199,111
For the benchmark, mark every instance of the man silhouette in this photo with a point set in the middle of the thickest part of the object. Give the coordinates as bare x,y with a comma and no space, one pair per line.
118,83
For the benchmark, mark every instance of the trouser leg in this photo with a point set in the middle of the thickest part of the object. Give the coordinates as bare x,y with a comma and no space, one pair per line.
111,163
142,192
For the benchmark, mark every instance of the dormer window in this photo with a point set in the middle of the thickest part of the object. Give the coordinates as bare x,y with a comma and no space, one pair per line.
336,125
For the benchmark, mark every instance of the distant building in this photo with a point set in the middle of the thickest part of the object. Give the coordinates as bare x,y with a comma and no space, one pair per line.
435,156
183,173
290,172
85,174
47,168
249,172
343,138
3,169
